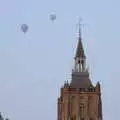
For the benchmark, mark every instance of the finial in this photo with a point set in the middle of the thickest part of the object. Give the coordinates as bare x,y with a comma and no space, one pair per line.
79,30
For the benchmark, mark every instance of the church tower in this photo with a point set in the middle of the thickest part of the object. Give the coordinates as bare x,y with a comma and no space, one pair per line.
80,99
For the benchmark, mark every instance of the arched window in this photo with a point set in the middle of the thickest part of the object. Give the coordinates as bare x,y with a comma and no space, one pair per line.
82,107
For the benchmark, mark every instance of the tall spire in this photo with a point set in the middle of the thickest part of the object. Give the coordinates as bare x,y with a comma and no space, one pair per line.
80,73
80,50
80,59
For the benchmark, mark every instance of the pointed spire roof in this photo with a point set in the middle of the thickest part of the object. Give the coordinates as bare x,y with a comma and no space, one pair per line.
80,50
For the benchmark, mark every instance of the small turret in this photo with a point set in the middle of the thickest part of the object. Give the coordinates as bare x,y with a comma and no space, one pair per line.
98,87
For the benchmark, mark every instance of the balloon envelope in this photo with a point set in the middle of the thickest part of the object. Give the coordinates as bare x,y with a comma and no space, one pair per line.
24,28
53,17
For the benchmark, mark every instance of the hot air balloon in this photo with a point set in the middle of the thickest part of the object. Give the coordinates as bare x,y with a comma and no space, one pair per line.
24,28
52,17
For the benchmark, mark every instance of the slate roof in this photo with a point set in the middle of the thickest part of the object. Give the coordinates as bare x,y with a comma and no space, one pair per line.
80,50
81,80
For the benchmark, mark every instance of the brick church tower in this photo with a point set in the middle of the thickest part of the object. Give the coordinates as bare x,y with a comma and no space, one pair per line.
79,99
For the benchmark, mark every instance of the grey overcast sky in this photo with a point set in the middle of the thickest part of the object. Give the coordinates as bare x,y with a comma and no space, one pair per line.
34,66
